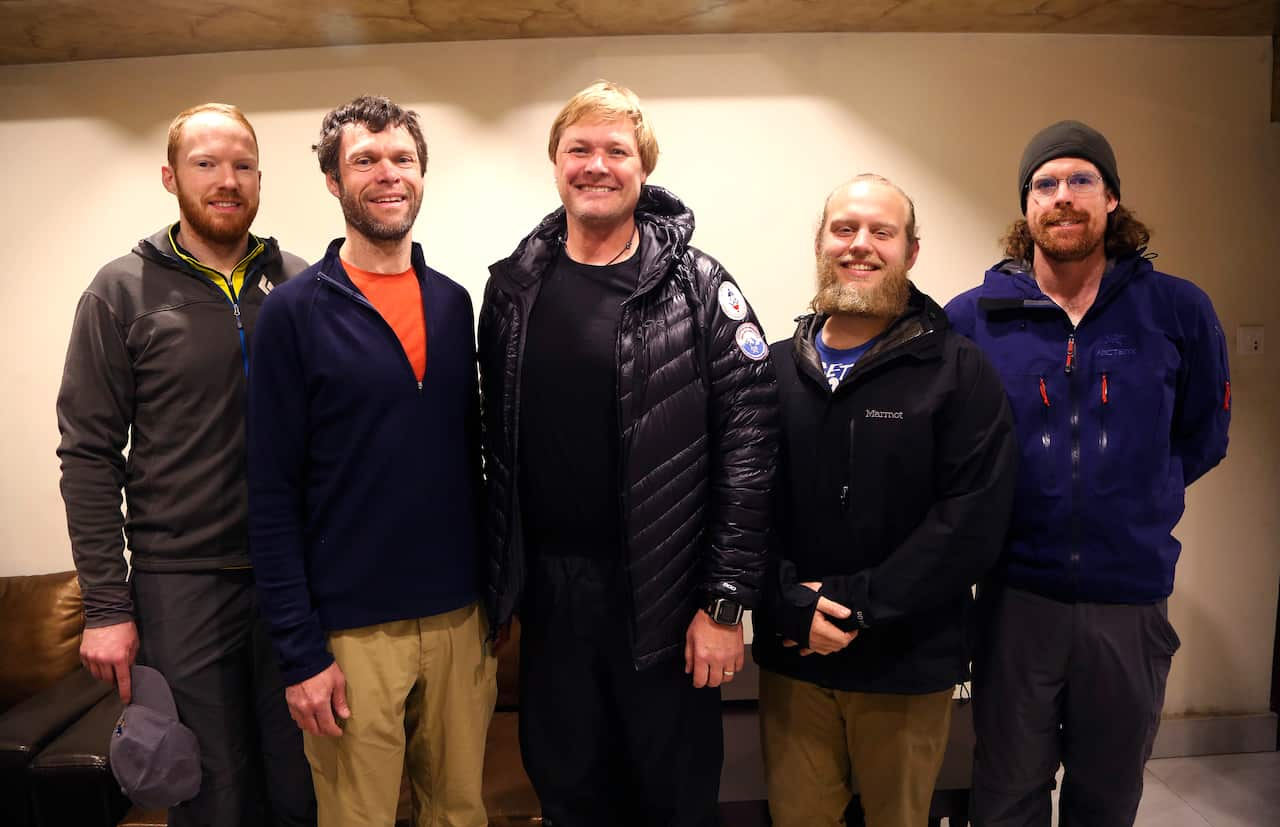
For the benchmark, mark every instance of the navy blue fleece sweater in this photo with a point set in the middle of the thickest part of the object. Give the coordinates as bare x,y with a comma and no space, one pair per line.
363,482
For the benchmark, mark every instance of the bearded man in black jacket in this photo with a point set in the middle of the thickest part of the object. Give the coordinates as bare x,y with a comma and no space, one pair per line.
629,418
895,487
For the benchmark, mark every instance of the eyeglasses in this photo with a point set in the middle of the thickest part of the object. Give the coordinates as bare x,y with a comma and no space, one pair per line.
1045,187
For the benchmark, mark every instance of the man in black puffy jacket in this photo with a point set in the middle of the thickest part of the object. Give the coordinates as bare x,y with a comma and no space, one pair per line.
895,487
629,417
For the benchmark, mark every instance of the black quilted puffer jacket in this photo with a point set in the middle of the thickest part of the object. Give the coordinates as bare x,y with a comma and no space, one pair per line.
697,409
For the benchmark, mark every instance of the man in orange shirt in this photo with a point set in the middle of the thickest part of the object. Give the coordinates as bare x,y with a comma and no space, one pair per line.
364,479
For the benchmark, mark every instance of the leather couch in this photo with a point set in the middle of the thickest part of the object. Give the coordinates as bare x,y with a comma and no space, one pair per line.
55,718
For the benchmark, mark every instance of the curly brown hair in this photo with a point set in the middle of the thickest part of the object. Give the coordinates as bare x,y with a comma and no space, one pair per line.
376,113
1125,234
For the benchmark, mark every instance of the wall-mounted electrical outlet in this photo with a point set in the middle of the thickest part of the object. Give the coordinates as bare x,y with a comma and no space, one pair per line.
1249,339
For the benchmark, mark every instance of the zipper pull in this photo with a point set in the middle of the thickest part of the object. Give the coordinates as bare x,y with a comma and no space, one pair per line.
1104,389
1071,354
1226,397
844,496
1044,394
235,308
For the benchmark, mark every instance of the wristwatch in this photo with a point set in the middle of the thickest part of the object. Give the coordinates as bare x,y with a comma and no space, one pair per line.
724,610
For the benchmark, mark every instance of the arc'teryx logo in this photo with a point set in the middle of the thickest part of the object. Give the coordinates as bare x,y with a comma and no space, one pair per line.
874,414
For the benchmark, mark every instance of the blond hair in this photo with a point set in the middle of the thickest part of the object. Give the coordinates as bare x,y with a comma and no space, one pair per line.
607,101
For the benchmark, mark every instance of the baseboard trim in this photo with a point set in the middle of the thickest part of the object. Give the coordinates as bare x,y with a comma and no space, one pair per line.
1215,735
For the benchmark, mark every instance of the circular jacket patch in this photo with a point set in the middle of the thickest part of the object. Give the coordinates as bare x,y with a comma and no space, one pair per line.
751,343
732,302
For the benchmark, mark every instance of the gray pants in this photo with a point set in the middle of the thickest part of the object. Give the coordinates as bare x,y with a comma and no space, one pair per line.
202,631
1081,684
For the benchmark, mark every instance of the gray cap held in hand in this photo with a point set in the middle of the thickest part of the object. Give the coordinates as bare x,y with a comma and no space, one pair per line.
1067,139
154,757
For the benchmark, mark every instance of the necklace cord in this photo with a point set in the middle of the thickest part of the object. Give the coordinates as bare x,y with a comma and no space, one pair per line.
630,239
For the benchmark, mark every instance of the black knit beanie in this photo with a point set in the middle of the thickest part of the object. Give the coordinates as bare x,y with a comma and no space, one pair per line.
1067,139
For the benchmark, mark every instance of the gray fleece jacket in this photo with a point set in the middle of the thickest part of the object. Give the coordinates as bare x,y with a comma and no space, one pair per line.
158,362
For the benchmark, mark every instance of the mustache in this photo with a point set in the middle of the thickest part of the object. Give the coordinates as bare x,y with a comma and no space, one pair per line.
848,259
1063,214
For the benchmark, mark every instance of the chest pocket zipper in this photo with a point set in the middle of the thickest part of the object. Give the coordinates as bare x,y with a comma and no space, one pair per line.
1102,420
1046,439
849,466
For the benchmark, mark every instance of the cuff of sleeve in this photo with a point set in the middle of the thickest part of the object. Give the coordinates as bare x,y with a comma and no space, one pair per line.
107,606
302,650
853,595
731,591
309,669
795,612
99,621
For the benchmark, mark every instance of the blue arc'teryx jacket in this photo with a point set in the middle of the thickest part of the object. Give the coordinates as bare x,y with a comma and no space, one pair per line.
1115,417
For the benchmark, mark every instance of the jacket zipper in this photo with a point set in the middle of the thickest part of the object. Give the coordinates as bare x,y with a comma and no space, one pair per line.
234,301
885,356
623,455
844,490
1069,370
513,484
520,321
255,269
361,300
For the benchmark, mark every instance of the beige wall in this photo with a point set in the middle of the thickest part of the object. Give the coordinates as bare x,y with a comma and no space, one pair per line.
754,131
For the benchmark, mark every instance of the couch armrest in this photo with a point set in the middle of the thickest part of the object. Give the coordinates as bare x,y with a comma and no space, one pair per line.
27,728
85,745
71,778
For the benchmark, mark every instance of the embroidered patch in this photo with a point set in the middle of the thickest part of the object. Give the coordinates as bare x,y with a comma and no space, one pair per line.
751,343
265,286
732,302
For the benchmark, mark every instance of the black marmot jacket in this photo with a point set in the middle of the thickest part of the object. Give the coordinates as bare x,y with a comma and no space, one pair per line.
696,411
895,492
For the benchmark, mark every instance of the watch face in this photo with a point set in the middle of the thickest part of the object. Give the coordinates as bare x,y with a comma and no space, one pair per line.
726,612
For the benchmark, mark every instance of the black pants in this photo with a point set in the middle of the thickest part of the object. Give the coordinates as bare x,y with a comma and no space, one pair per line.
202,631
1080,684
602,743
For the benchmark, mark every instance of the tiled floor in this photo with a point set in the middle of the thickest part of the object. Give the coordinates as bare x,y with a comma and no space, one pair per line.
1212,791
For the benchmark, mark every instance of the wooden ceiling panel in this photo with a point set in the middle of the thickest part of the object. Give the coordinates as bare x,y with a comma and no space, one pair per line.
41,31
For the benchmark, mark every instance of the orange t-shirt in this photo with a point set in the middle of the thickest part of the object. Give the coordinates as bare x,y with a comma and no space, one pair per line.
398,298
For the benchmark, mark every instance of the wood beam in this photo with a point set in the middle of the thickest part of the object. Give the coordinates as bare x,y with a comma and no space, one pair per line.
1275,76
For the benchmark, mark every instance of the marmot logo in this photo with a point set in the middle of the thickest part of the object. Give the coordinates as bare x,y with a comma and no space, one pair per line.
883,414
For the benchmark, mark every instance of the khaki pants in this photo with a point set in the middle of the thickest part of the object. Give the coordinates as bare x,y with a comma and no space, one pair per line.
421,694
816,740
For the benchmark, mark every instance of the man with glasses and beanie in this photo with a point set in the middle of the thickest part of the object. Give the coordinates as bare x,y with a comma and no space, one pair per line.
629,411
1117,375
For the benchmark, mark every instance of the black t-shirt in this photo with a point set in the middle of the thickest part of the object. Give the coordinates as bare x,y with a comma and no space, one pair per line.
569,439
